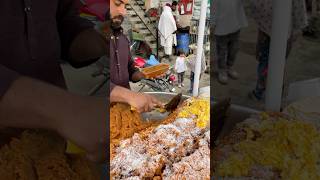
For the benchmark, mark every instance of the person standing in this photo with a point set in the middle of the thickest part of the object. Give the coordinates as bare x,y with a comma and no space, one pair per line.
192,65
229,19
181,67
176,17
122,69
262,14
167,28
175,12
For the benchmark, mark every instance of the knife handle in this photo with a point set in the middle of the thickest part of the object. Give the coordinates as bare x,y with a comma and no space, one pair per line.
157,108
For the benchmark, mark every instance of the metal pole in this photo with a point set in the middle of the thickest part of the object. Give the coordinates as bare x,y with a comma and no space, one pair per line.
158,46
201,28
281,21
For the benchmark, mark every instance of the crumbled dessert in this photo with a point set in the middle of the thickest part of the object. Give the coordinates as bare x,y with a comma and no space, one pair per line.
40,155
161,152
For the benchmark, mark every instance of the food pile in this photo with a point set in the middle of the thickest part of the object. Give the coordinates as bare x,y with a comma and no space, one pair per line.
175,149
269,146
123,124
198,109
40,155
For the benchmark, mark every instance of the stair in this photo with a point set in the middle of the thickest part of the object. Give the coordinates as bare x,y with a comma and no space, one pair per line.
144,25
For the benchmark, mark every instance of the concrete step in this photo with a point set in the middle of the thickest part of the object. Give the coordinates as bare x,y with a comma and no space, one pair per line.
150,38
138,22
129,13
140,25
146,33
153,46
141,13
143,27
153,19
128,6
138,7
133,15
144,30
154,41
134,19
140,3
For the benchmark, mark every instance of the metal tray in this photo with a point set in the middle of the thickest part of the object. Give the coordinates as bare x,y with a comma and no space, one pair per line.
235,114
166,96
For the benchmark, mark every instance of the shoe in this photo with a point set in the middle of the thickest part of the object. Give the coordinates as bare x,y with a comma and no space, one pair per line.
233,74
252,95
182,85
179,86
223,77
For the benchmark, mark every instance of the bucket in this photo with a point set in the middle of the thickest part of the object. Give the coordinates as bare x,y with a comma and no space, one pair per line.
183,42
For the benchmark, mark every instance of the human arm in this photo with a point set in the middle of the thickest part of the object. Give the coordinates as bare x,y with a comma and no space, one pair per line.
176,65
185,65
29,103
134,73
141,101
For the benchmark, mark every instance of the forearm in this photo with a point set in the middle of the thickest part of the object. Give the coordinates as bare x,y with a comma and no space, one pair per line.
137,76
33,104
120,94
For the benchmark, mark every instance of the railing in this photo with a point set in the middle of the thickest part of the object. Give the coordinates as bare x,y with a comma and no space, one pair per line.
150,20
142,20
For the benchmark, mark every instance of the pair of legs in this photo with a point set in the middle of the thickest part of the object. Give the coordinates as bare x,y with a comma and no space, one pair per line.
262,55
227,47
180,79
192,81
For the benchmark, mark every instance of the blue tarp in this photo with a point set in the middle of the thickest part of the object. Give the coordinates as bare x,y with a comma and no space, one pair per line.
152,61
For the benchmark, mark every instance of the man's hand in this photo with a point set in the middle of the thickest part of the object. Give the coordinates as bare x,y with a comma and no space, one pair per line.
143,102
88,128
137,76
